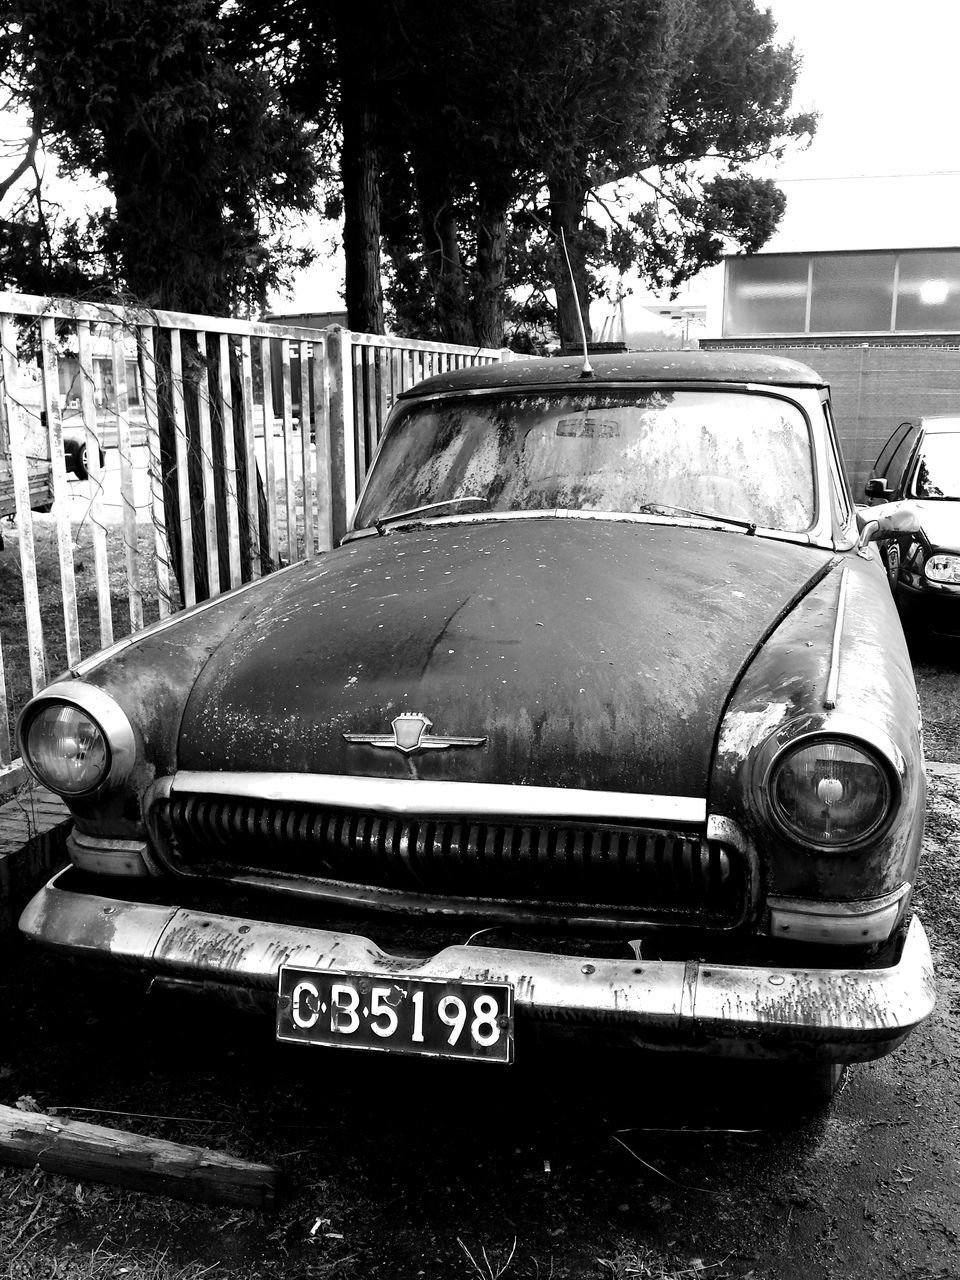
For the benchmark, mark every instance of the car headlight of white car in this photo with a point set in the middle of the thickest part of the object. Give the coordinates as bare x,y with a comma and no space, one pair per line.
943,568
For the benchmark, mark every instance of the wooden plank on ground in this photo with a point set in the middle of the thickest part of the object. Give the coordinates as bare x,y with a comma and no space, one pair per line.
75,1149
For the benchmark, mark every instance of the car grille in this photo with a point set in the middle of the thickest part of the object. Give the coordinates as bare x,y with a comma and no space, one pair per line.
660,874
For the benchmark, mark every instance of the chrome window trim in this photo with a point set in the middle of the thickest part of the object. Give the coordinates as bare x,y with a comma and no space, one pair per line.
411,796
818,533
833,678
575,383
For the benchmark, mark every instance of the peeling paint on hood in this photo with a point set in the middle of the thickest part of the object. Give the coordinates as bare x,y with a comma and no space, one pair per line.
594,655
741,729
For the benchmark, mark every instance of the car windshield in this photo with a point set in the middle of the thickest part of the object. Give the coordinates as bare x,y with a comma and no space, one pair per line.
724,454
937,473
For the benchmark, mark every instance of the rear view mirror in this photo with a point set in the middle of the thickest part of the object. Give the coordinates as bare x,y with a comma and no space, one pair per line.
889,522
878,488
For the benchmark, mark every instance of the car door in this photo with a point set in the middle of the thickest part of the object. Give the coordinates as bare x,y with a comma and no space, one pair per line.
892,466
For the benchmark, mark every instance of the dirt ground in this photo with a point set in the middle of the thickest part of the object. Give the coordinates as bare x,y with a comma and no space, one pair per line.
936,667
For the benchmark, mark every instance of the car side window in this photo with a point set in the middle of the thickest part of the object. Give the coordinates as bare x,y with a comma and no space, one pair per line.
896,469
882,465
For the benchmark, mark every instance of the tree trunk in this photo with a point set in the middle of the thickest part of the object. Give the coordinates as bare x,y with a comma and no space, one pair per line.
441,252
568,192
165,275
488,306
359,175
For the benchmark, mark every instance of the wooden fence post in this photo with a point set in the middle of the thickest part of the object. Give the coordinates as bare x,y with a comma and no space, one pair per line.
343,473
95,474
21,486
58,476
321,415
353,382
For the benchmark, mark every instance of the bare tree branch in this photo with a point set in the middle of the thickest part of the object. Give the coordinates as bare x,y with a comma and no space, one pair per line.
28,162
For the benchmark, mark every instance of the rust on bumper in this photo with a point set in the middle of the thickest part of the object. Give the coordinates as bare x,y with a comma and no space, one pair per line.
841,1015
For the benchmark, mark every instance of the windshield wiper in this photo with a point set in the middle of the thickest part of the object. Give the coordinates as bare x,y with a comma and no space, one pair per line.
664,508
396,516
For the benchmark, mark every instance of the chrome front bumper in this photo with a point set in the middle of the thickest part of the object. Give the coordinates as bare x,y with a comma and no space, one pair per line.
839,1015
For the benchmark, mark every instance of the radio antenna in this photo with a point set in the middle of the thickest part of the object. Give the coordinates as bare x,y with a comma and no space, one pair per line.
586,371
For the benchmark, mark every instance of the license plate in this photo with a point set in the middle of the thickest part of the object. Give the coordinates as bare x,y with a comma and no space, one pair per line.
431,1016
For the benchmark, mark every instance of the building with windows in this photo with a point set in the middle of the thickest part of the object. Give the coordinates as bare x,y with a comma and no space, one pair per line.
881,325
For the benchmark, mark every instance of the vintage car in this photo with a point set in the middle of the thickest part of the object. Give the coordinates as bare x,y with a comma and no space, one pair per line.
919,469
75,450
600,716
39,479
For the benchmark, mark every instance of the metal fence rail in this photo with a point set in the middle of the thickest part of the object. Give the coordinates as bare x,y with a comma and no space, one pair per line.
259,433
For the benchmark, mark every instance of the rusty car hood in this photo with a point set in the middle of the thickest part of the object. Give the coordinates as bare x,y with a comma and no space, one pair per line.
586,653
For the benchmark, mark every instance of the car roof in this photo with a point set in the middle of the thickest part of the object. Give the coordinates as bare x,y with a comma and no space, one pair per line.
633,366
941,425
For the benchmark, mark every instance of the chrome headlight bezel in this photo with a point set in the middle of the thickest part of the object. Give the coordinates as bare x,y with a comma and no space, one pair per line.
845,730
107,715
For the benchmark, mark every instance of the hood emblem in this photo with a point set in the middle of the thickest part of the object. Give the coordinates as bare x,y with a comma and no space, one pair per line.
411,732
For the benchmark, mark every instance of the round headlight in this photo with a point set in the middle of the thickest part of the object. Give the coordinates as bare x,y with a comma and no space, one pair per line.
67,749
830,793
942,568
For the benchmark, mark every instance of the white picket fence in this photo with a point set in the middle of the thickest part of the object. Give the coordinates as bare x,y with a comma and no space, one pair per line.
307,407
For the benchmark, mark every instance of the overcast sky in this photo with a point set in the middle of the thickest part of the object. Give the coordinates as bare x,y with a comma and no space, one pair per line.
883,77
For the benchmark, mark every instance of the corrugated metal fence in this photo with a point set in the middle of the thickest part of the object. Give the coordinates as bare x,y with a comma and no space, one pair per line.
260,434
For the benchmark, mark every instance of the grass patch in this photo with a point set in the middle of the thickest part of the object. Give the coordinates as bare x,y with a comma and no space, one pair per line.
37,1211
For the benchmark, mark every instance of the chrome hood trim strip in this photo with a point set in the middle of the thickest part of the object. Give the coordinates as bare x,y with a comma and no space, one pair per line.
462,799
